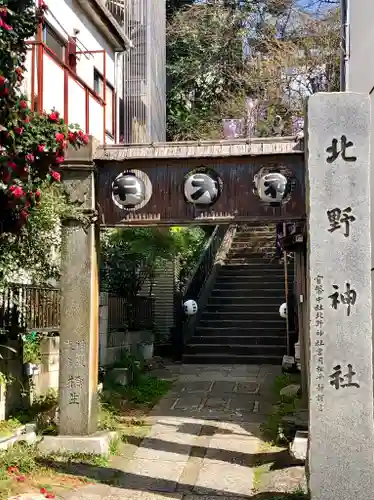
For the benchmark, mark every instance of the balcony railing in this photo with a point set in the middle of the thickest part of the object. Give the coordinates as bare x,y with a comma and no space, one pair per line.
116,8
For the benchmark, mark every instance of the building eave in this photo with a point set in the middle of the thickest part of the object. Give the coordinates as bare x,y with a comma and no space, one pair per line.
201,149
106,23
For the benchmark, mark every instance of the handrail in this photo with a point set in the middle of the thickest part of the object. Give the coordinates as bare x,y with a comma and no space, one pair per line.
194,287
204,265
201,258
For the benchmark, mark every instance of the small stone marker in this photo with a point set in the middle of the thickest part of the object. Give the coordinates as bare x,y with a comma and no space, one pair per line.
341,428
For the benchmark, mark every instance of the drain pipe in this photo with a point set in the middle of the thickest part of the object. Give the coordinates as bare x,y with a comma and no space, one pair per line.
286,292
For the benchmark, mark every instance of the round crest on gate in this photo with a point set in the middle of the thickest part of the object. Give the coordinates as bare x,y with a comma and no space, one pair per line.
202,186
131,190
273,186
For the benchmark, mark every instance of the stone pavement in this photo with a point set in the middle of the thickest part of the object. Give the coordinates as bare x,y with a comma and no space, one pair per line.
204,441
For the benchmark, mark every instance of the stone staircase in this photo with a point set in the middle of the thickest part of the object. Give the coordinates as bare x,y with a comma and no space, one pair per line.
241,322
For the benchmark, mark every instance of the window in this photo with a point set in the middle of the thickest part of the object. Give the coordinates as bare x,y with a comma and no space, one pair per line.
110,100
54,42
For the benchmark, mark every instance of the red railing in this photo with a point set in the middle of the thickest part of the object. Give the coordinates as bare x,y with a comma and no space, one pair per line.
54,84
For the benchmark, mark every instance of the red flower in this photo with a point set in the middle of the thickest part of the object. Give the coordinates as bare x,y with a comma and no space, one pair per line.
16,191
54,116
23,104
55,176
59,159
5,91
37,195
85,139
27,119
2,79
43,491
11,164
18,130
6,177
12,470
60,137
24,216
72,137
50,495
5,26
30,157
41,148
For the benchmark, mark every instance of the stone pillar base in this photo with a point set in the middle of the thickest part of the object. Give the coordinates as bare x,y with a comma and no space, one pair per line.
94,444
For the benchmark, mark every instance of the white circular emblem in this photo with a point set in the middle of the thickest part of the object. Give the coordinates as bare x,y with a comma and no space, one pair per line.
131,190
201,189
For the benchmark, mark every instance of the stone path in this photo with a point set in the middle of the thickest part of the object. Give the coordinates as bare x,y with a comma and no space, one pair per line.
204,441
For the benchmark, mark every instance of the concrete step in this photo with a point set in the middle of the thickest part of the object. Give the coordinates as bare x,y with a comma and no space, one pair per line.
248,302
266,277
250,284
267,340
233,331
249,350
249,308
251,270
228,320
242,261
248,292
254,265
225,359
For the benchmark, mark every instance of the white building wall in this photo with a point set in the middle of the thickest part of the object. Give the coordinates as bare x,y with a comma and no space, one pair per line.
67,19
69,15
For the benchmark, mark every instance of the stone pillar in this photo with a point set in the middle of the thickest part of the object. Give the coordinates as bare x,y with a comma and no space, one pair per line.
341,431
79,330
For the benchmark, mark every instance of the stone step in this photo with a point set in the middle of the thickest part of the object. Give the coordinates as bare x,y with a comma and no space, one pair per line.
254,265
232,308
231,331
252,302
267,340
266,277
249,350
214,320
224,359
247,284
238,261
275,293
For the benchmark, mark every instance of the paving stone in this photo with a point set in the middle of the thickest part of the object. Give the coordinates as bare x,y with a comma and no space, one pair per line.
198,386
102,492
247,388
241,402
188,403
224,479
217,403
240,451
153,475
223,387
163,449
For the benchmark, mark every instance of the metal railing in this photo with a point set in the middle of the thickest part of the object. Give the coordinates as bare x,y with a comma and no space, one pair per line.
137,314
25,308
194,287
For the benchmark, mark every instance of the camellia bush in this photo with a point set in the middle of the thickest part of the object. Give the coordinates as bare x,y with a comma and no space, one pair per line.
32,144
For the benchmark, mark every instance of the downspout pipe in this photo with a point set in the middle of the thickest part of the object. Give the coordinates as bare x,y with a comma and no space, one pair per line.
345,45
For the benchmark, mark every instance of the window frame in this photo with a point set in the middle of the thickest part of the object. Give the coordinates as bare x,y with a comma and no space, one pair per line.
59,39
98,75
